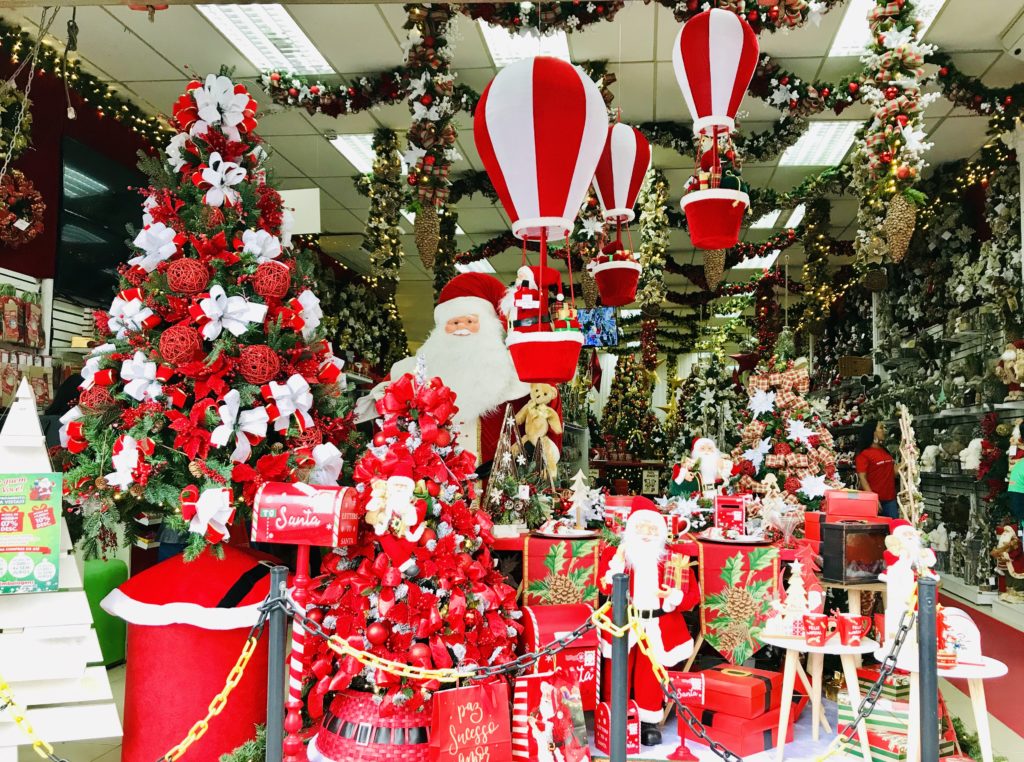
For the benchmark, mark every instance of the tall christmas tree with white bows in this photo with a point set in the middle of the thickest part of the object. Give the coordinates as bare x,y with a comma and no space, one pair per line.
784,444
214,375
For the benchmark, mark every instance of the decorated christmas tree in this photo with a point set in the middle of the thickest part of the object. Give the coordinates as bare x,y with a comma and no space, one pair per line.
420,587
783,435
213,376
628,417
706,406
513,495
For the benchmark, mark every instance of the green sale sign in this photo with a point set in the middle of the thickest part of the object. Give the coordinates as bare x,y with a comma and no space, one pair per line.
30,532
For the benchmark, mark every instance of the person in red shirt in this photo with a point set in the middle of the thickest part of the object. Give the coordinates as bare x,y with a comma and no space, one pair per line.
876,467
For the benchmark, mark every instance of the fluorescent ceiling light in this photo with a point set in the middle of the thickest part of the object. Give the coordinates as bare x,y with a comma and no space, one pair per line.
628,313
480,266
728,315
796,217
458,230
75,234
79,185
824,144
358,149
268,36
507,48
758,263
854,36
766,221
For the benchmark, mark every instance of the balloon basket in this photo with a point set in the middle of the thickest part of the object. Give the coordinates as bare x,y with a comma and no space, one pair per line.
545,357
617,282
714,217
353,730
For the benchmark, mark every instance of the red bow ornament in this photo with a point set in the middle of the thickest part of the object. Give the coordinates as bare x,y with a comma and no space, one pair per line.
128,455
91,373
208,513
72,433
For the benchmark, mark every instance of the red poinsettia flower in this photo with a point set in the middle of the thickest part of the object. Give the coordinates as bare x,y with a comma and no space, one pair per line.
782,448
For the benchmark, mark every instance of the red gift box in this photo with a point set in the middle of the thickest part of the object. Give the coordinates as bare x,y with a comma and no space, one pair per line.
603,730
743,735
741,691
812,525
850,503
544,624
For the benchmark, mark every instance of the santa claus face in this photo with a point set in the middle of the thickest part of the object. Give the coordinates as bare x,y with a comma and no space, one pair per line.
650,531
462,325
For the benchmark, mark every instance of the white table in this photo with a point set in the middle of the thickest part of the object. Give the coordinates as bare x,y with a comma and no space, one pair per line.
974,674
848,655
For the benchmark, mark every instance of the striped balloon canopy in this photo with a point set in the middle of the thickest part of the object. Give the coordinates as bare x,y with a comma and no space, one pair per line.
714,59
539,128
621,171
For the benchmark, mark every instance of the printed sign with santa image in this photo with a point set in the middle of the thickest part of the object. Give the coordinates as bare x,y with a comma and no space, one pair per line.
466,350
704,472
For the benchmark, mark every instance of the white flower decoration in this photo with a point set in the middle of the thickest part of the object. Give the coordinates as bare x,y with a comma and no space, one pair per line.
261,245
222,176
174,149
158,242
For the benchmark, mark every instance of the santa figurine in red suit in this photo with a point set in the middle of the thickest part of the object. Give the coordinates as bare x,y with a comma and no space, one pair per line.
396,512
466,350
659,600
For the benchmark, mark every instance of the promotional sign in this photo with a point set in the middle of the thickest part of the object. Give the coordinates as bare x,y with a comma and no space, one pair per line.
302,514
30,532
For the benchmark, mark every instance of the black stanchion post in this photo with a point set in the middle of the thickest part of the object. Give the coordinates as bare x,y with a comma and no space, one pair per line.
620,658
928,675
276,649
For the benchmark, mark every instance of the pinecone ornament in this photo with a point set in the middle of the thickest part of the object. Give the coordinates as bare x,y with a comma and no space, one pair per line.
589,287
899,225
740,604
428,234
195,469
714,267
562,590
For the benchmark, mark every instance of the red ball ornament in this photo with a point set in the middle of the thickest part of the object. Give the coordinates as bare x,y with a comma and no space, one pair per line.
379,440
891,92
292,91
187,276
427,99
419,655
773,14
1008,100
95,399
351,92
752,16
885,157
793,103
314,89
429,159
853,87
412,178
377,633
428,41
825,92
275,77
984,182
272,280
784,80
903,172
432,488
903,120
180,344
943,71
600,10
258,364
444,438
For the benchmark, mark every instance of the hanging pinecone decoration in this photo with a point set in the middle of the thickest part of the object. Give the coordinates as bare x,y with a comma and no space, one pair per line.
428,234
714,267
588,285
899,225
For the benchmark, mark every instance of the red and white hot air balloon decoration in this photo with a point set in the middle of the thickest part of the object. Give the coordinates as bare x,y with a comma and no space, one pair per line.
620,174
714,59
539,128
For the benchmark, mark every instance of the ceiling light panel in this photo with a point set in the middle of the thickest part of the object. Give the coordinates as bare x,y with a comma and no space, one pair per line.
268,36
506,48
824,144
758,263
766,221
480,266
796,217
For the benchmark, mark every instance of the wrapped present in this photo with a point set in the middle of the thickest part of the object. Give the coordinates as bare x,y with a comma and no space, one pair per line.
560,571
34,334
603,729
742,735
896,686
885,747
887,716
12,311
741,691
850,503
544,624
547,712
812,525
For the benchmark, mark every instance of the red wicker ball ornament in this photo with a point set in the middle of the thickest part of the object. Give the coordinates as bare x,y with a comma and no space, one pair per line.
258,363
311,437
187,276
95,399
180,344
272,280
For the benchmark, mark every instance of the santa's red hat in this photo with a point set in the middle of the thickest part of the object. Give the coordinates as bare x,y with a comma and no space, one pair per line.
469,294
640,504
551,277
402,470
897,523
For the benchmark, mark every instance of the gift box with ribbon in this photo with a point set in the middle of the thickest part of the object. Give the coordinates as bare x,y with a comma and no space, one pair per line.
850,503
896,687
741,691
744,735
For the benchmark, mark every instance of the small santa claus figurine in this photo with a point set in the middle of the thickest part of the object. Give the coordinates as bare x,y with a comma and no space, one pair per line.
659,600
704,472
397,514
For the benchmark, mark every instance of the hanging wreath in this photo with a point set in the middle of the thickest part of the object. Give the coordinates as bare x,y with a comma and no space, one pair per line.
14,139
21,215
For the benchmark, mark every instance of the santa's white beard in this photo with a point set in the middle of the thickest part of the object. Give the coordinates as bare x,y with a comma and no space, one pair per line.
477,367
709,469
642,560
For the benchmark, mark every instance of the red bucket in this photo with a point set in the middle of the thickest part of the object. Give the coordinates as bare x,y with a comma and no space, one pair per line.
714,217
353,730
617,282
545,357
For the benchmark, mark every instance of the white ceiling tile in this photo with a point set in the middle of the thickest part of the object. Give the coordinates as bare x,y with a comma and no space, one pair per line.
343,190
314,156
280,166
160,93
974,25
667,158
1006,71
630,37
340,221
634,91
975,64
482,221
283,121
354,38
362,122
808,40
468,47
957,138
668,101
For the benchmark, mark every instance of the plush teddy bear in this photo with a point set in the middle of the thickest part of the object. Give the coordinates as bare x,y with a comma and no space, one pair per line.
538,418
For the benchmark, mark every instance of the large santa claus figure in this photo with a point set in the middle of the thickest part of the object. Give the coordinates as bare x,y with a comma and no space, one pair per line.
642,554
466,349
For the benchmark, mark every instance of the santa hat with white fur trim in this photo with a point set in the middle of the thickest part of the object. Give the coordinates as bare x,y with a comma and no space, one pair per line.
469,294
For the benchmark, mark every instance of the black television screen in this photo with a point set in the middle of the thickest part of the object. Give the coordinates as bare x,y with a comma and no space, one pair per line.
599,327
96,207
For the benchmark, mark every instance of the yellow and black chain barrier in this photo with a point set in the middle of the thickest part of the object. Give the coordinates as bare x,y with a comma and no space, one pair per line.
598,620
17,713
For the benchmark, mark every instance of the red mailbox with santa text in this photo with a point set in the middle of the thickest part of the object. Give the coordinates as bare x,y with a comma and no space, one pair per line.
304,514
542,625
